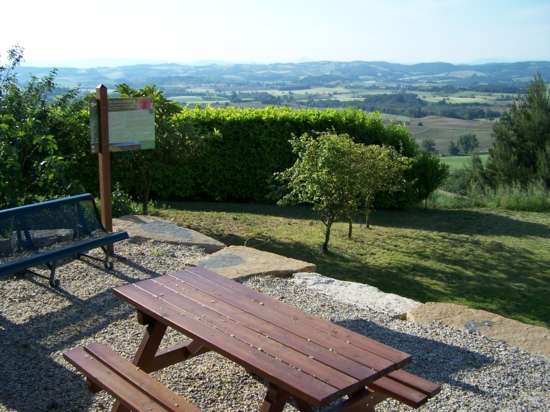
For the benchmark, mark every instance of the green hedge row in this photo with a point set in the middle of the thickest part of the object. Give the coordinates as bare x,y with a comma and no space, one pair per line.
230,154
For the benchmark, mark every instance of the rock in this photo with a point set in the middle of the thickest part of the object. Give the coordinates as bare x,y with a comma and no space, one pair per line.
242,262
359,294
154,228
533,339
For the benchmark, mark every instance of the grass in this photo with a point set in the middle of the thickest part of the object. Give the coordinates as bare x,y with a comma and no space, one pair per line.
497,261
460,162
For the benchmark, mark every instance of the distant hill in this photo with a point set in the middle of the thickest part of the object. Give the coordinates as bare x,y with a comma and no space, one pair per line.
289,76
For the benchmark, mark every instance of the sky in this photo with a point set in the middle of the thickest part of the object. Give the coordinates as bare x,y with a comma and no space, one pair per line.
113,32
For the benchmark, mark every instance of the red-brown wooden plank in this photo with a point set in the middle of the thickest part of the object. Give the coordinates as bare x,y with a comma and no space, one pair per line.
308,348
398,391
263,343
113,383
295,382
143,381
415,382
284,316
319,324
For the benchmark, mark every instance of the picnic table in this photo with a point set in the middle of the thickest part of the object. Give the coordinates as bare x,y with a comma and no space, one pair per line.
302,358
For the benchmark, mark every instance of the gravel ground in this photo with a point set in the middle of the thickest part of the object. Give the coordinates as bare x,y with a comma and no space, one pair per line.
38,323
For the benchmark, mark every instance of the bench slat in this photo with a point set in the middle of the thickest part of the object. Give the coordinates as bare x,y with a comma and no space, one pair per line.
112,382
416,382
140,379
399,391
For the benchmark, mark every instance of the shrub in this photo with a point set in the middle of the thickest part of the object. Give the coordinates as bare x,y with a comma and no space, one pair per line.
123,203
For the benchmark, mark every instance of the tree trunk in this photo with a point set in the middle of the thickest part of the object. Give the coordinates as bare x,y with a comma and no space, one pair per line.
327,236
367,215
426,203
350,228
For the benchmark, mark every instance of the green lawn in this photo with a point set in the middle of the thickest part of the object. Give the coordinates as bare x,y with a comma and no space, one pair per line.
459,162
498,261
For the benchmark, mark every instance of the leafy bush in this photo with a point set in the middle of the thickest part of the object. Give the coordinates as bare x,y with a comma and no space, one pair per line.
123,203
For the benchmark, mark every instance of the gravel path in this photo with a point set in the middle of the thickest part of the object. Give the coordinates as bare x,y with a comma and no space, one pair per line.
38,323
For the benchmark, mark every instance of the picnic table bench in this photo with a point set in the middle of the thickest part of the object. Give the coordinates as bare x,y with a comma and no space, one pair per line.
49,233
303,359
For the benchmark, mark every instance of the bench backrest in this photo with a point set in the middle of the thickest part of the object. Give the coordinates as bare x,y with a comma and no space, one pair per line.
40,226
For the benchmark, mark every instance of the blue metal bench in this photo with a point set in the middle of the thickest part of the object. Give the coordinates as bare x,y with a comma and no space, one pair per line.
50,233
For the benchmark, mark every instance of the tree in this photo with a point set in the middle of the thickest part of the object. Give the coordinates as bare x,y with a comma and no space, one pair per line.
138,164
32,166
428,145
454,150
382,169
431,172
521,150
339,177
468,143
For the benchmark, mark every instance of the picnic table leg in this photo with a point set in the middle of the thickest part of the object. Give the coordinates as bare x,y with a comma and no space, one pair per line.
275,399
146,351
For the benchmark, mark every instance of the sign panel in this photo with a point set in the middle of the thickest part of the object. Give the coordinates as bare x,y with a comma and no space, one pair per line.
131,124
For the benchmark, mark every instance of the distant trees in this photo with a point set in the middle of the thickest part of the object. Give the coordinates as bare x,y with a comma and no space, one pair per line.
454,150
428,145
521,151
468,143
339,177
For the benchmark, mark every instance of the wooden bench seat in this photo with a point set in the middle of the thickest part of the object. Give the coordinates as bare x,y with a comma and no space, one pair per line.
405,387
134,388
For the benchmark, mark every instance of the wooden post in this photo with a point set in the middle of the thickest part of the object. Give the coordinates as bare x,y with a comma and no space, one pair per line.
104,155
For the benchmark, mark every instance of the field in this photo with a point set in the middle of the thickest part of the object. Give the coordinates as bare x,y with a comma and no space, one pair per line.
460,162
497,261
444,129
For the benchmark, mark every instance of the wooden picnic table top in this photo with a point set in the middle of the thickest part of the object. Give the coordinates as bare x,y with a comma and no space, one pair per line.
310,358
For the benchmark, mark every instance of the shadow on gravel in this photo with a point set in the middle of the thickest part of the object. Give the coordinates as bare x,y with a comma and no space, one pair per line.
432,360
29,375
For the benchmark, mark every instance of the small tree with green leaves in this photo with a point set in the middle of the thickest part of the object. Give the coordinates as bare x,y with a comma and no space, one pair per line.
324,175
381,169
339,177
430,173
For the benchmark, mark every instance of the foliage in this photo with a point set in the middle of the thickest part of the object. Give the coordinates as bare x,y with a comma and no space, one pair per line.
430,173
138,168
122,203
236,150
428,145
32,165
521,151
454,150
468,143
340,177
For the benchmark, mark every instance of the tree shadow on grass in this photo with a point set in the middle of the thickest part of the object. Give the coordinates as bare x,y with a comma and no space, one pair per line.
431,359
465,222
511,281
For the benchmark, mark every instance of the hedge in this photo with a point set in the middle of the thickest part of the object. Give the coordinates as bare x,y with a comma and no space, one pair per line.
230,154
